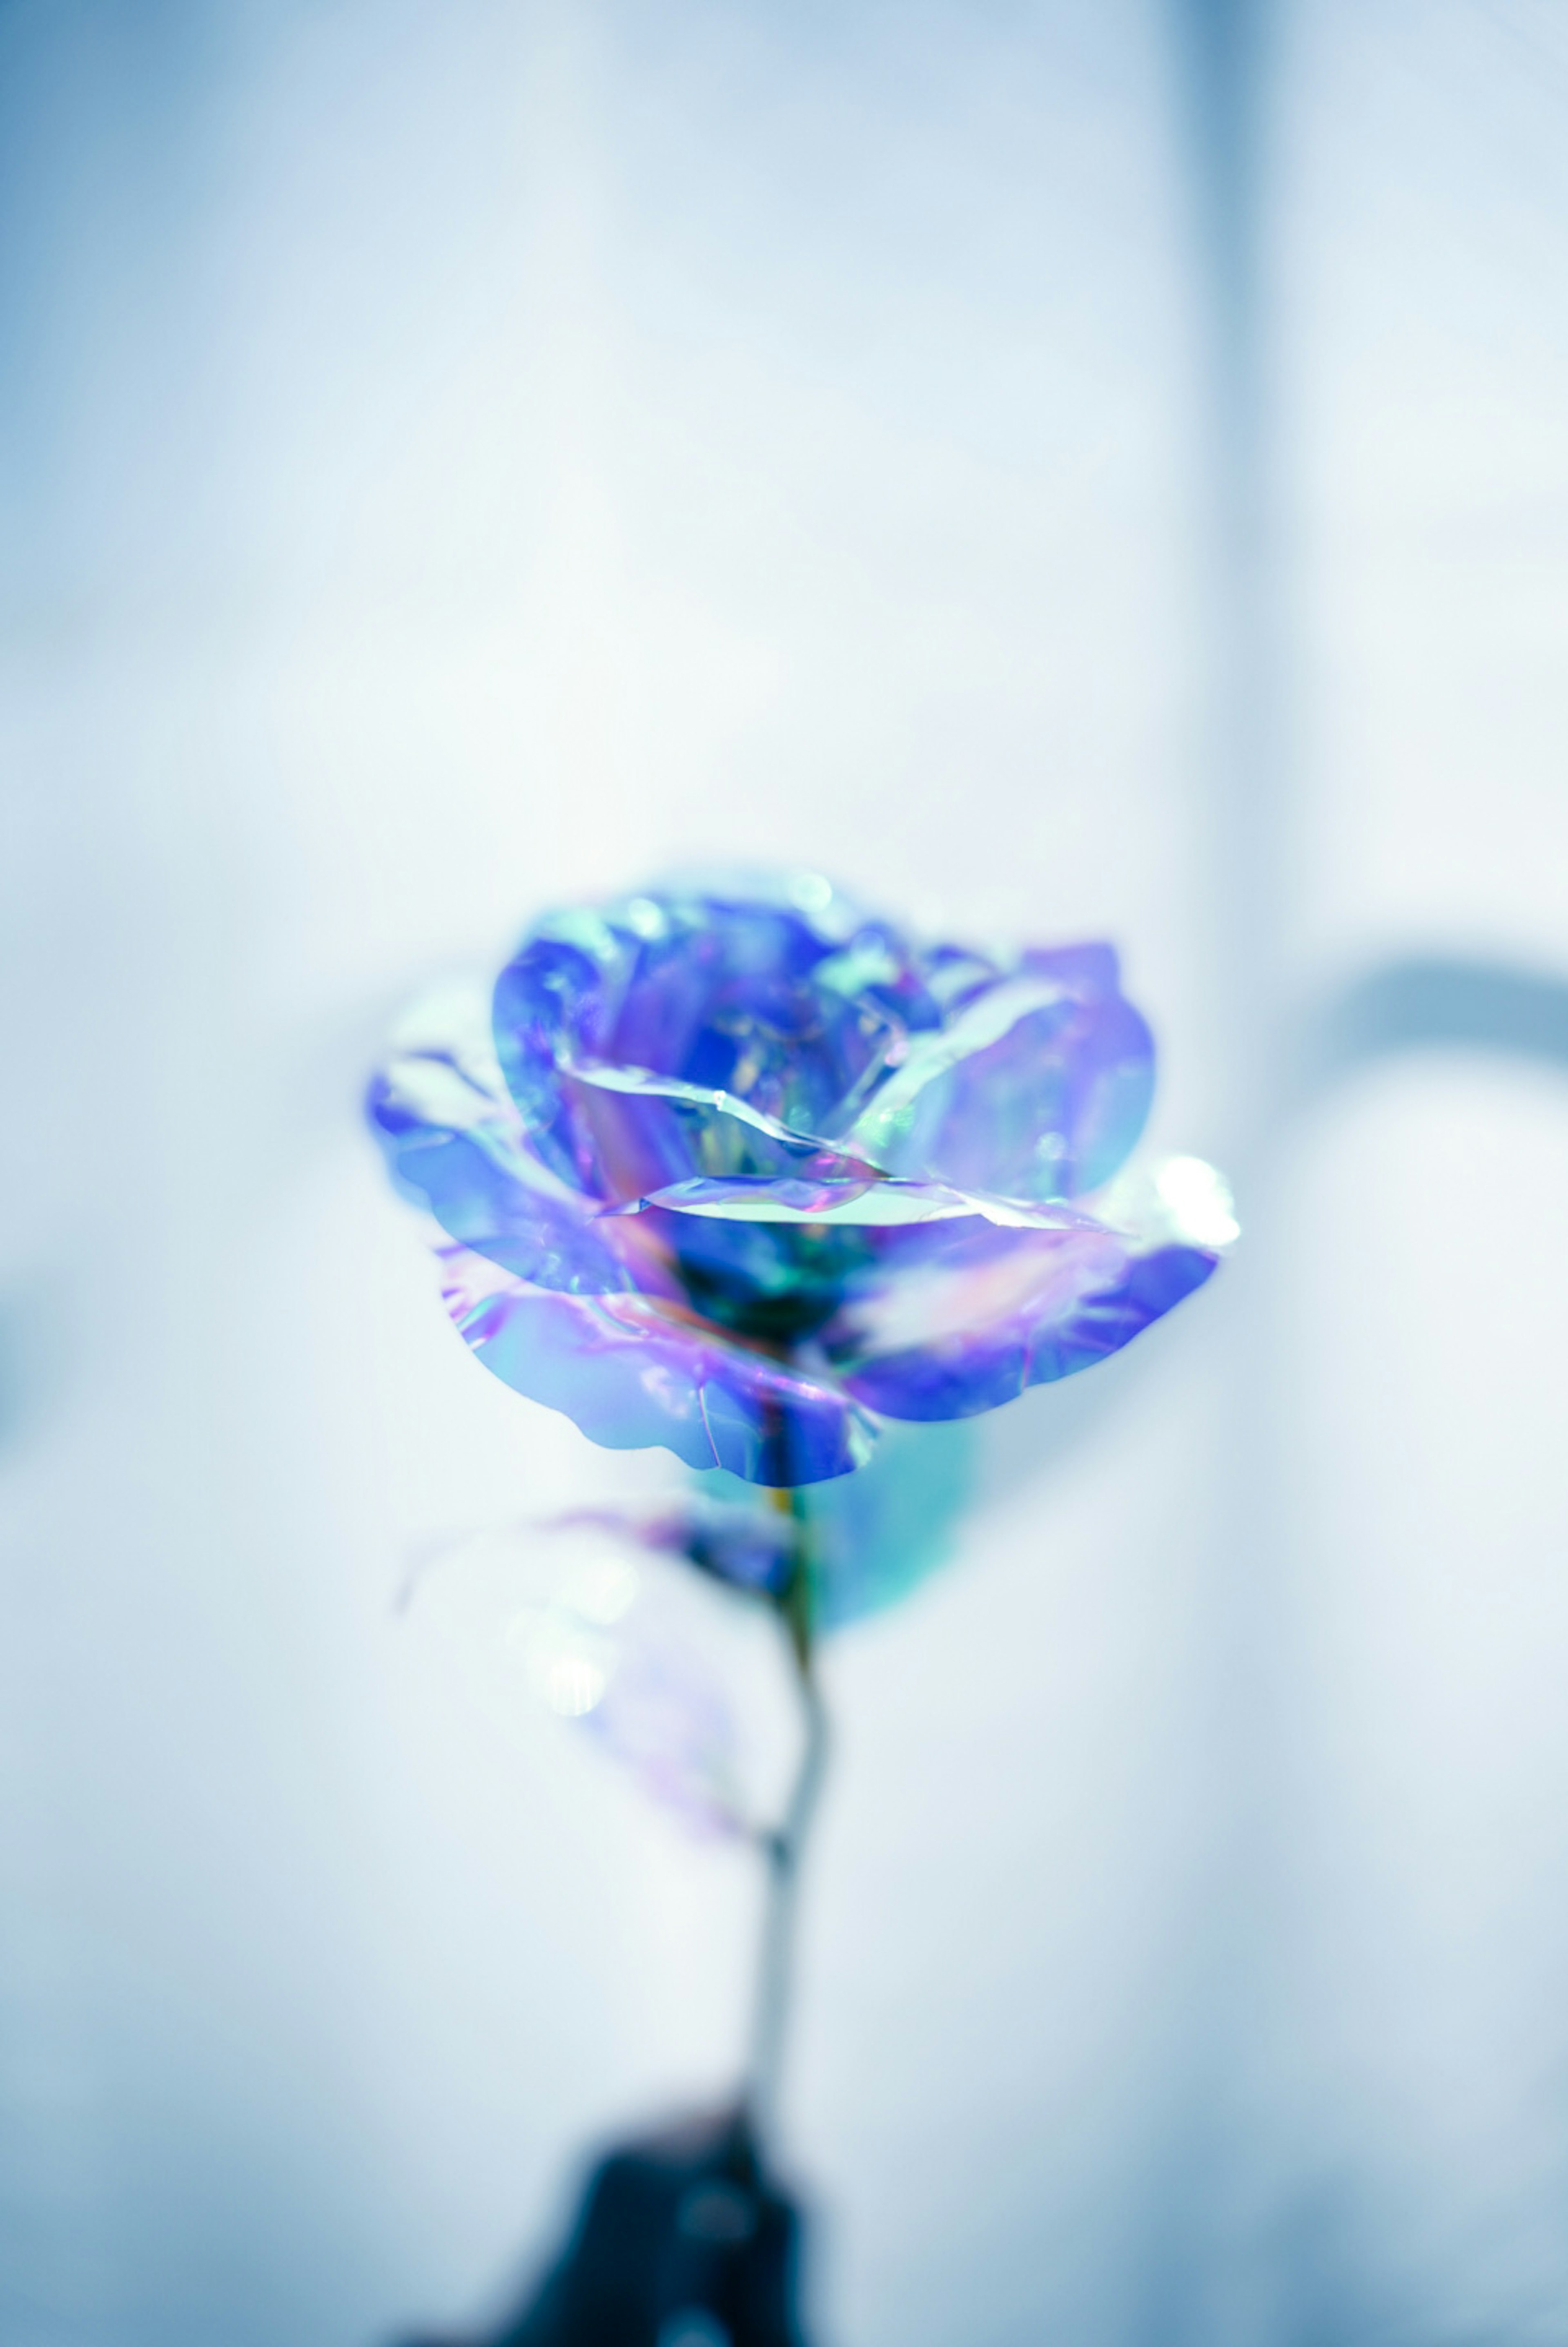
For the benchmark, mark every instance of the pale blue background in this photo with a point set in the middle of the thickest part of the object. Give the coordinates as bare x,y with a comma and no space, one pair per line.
1070,469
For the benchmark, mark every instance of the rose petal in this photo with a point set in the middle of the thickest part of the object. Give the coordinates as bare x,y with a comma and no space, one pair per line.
455,1143
697,1034
993,1312
775,1260
1037,1086
639,1131
634,1370
751,1545
861,1201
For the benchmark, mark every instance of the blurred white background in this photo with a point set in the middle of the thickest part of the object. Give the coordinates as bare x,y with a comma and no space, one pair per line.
457,458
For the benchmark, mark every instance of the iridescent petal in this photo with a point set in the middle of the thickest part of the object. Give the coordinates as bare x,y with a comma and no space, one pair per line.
730,1164
773,1282
991,1312
639,1131
693,1033
774,1260
862,1201
455,1144
543,999
875,1536
954,975
635,1370
748,1544
1036,1087
870,1538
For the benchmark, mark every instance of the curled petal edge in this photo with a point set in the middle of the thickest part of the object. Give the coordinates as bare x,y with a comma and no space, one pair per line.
868,1201
454,1149
962,1374
634,1370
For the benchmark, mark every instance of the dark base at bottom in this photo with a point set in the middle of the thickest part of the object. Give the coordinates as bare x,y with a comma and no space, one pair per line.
681,2241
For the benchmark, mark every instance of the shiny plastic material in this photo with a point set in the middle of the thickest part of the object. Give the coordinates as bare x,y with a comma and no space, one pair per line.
738,1169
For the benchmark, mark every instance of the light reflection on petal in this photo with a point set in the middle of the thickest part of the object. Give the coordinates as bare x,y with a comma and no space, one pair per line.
1037,1087
731,1165
1179,1200
634,1371
1199,1200
1062,1328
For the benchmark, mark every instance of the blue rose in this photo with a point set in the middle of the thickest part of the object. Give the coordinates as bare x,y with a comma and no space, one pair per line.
740,1171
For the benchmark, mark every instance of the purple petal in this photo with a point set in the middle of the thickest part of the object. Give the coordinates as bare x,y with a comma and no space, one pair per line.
634,1371
1036,1087
861,1200
455,1144
695,1033
775,1260
751,1546
640,1132
995,1311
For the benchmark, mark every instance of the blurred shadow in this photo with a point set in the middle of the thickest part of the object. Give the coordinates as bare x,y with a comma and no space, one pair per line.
33,1357
1434,1002
1311,2284
1219,49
